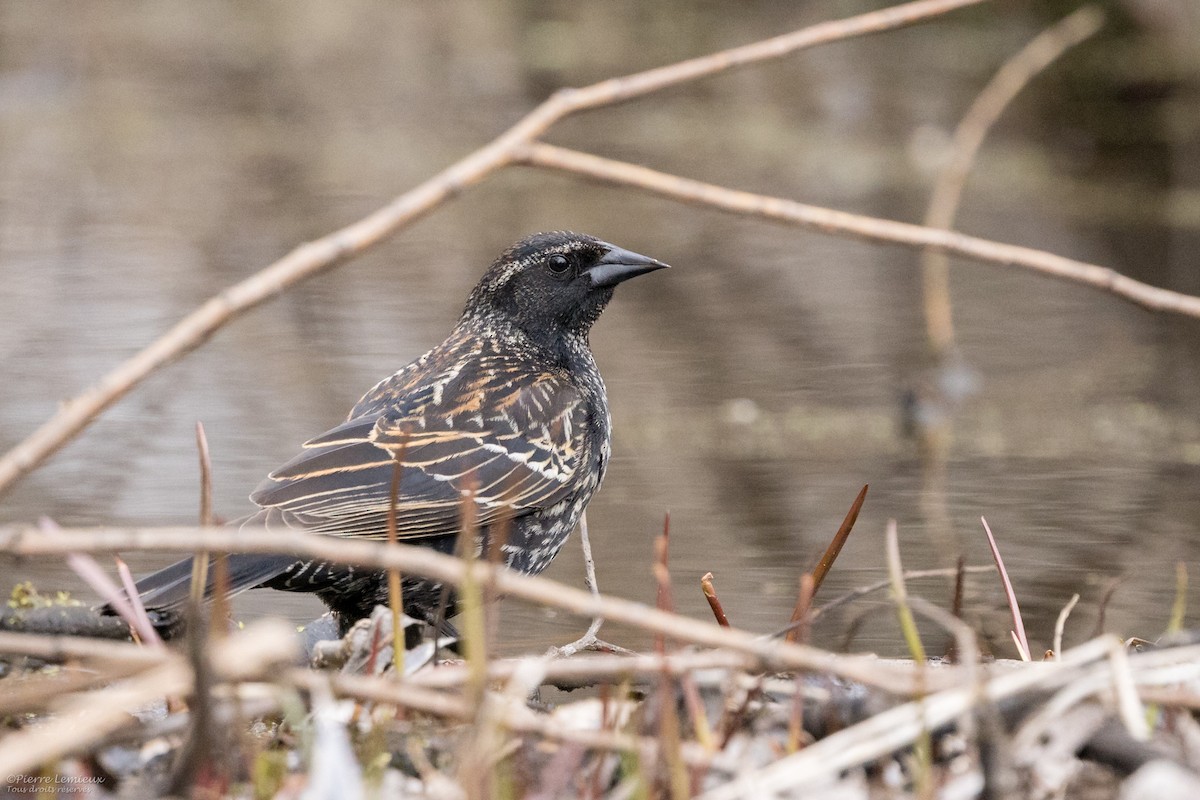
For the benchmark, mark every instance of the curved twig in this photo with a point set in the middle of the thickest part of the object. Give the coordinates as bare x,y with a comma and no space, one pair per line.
1002,89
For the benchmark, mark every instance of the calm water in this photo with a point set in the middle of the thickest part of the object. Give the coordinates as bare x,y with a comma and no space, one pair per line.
154,153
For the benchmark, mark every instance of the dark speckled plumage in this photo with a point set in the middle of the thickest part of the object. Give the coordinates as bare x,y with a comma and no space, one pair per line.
510,411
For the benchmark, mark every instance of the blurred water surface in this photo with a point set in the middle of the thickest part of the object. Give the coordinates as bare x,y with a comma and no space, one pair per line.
154,153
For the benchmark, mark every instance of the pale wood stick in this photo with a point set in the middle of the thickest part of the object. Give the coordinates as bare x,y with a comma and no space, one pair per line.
843,223
411,559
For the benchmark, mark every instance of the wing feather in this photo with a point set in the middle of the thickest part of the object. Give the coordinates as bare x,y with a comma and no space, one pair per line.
513,448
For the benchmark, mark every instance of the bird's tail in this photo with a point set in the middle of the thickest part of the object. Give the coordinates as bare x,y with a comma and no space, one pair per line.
167,590
165,593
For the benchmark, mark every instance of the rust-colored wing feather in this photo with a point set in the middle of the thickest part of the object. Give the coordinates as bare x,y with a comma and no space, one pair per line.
514,447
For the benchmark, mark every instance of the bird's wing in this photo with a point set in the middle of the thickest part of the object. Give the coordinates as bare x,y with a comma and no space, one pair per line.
513,447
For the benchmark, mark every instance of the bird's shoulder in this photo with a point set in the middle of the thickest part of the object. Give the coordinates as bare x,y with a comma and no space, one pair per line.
488,403
468,361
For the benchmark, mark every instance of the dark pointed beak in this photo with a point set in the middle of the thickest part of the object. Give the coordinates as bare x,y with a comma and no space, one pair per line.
620,265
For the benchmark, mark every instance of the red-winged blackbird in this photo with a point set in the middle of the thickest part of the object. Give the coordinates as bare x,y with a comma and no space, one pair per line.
509,413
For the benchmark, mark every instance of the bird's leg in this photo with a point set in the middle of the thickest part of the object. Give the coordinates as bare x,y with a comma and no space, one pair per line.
589,640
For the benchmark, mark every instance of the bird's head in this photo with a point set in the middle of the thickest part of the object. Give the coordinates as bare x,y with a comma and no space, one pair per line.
551,284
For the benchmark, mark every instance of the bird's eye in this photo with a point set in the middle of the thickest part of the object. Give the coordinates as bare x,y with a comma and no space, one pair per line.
558,264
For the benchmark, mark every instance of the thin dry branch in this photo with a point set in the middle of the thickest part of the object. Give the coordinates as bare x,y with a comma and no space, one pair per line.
410,559
1002,89
590,639
598,667
843,223
863,591
58,649
33,693
318,256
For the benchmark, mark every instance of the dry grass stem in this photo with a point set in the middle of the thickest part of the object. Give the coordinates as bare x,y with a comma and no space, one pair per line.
1018,630
714,602
801,621
135,602
219,613
470,591
206,481
960,586
1170,697
1098,669
922,756
589,639
967,648
1110,588
908,625
58,649
37,692
839,540
201,742
663,599
94,575
395,585
1061,623
880,585
200,560
1179,606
